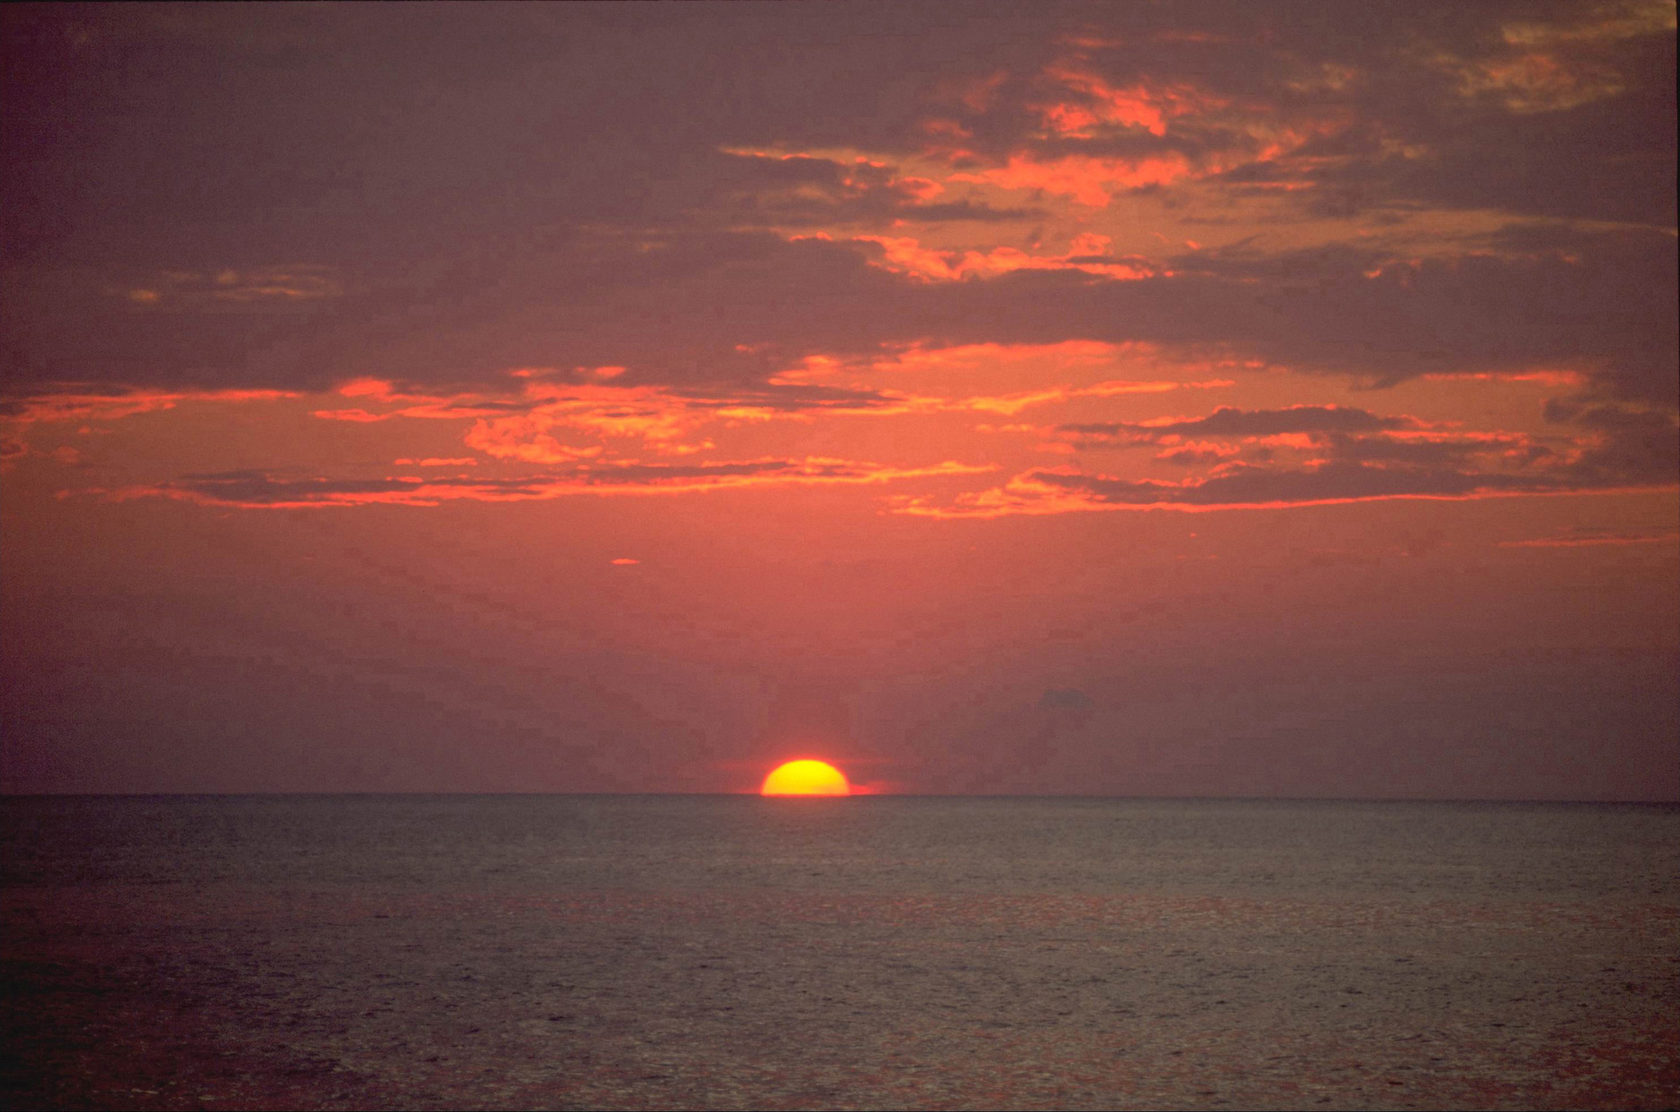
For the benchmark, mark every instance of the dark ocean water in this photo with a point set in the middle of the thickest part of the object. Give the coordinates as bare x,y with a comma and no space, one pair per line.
688,951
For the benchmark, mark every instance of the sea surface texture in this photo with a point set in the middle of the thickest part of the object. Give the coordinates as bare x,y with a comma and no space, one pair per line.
666,952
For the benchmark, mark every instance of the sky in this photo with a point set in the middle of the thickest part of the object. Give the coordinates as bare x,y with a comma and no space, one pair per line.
1249,399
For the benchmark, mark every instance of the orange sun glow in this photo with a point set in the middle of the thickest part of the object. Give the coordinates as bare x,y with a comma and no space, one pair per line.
806,778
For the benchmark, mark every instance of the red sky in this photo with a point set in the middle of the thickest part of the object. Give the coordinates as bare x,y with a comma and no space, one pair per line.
1152,399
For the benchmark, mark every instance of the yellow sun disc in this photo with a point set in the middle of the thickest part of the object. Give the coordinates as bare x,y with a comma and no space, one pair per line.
806,778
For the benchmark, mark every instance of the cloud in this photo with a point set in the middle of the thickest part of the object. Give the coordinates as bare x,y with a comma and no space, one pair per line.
1629,443
1318,454
623,232
101,402
264,285
1589,537
1440,449
715,328
1050,490
255,489
538,405
1227,421
905,255
1319,432
775,189
1638,450
542,406
1563,113
1011,404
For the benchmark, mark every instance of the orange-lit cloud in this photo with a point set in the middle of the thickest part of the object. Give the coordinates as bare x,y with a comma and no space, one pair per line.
1065,368
541,421
1087,253
1322,455
1018,359
87,404
1234,486
1100,104
1089,179
419,404
1010,404
523,421
1097,137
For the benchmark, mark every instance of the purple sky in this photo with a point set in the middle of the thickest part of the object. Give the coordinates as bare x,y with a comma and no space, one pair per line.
1149,399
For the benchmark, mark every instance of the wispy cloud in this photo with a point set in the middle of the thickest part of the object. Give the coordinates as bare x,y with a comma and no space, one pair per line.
263,490
1589,538
91,402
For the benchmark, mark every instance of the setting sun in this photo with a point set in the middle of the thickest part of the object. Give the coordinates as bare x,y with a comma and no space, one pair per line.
806,778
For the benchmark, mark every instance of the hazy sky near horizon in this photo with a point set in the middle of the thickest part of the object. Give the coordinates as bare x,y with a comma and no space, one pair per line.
1142,399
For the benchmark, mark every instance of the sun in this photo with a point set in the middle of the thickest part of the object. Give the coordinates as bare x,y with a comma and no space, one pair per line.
806,778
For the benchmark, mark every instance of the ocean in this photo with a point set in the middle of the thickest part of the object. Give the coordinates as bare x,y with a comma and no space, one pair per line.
532,951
